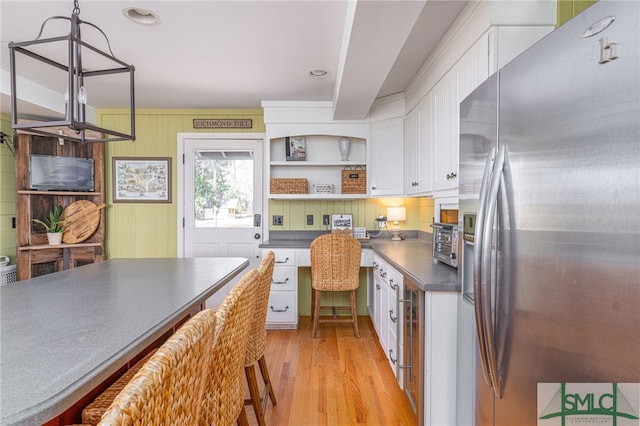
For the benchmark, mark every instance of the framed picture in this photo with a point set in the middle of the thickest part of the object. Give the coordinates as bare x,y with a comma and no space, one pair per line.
341,222
141,180
296,148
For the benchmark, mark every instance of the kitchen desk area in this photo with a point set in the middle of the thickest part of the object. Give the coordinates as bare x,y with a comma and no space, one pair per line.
64,334
421,346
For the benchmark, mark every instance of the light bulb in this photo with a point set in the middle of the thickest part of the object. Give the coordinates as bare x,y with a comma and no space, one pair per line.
82,96
66,103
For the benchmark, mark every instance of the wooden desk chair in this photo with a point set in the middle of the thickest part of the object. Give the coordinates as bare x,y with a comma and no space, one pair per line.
224,397
335,266
258,342
169,388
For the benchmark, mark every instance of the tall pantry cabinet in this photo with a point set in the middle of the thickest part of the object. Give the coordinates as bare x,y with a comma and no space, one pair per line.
35,256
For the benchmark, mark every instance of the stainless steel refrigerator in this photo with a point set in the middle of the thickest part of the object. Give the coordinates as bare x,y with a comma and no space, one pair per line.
550,218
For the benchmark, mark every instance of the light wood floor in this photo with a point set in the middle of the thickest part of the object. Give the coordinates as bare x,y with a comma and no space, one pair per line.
335,379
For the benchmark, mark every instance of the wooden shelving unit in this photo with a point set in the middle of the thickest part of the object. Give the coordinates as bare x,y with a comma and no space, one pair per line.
35,256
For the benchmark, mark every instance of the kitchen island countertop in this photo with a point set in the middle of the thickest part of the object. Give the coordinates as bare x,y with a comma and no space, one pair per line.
63,334
412,256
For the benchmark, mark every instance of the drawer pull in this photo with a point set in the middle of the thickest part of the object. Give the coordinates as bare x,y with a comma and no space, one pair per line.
393,285
391,316
391,356
279,310
286,280
286,259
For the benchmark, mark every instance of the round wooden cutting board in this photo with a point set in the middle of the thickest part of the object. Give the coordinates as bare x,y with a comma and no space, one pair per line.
81,219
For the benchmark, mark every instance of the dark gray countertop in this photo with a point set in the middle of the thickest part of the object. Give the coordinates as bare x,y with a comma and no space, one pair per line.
412,256
63,334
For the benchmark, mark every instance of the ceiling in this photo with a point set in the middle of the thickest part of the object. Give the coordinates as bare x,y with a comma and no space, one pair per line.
235,54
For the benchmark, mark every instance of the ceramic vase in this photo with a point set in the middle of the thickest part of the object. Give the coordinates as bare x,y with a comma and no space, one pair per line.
344,144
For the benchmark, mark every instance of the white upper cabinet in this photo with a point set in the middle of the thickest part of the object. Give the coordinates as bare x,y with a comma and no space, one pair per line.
387,157
467,74
484,37
445,149
418,151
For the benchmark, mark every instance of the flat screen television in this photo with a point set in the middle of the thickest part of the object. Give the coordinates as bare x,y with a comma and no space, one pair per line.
51,173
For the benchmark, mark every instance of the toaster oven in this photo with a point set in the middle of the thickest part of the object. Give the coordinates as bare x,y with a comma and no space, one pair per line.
445,243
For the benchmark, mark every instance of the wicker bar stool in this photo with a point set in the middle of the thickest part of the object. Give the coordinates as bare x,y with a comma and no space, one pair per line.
224,396
335,266
92,413
169,388
258,342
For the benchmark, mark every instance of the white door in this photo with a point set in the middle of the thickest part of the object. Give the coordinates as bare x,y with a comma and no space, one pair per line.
222,198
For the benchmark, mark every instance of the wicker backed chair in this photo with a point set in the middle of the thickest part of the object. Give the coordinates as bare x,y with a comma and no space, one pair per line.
224,396
92,413
335,266
170,387
258,342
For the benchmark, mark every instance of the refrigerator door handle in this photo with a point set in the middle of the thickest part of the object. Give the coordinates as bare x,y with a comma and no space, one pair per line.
486,272
486,179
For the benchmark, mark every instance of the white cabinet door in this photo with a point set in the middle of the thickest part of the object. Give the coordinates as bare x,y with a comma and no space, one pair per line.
386,161
419,168
394,337
445,116
471,70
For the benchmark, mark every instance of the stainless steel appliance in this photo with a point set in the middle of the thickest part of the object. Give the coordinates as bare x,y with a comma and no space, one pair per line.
550,167
445,243
413,354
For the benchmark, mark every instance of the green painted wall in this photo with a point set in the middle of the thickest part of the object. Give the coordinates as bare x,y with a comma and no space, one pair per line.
149,230
7,195
567,9
364,212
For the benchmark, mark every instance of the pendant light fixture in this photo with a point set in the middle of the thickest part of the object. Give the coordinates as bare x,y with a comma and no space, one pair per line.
72,67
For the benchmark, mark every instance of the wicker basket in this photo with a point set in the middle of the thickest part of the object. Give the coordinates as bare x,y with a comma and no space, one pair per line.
289,186
354,180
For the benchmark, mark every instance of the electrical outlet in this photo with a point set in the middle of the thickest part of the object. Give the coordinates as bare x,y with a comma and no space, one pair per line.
309,219
325,219
277,220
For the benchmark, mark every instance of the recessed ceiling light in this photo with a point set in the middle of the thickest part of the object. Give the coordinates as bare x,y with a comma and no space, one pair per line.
318,73
140,15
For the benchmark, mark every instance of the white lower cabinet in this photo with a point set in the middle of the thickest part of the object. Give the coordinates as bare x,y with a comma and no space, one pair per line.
283,301
387,284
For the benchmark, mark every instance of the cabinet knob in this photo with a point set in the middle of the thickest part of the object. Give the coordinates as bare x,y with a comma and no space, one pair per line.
374,188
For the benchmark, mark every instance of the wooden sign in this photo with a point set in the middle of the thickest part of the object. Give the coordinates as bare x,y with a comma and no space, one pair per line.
223,123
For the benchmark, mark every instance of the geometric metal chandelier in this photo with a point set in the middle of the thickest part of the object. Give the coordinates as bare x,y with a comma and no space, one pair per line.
72,67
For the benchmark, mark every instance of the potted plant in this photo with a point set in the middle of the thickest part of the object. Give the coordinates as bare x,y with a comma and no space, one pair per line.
53,225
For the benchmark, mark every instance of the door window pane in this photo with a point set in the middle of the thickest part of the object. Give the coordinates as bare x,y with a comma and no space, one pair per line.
223,189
